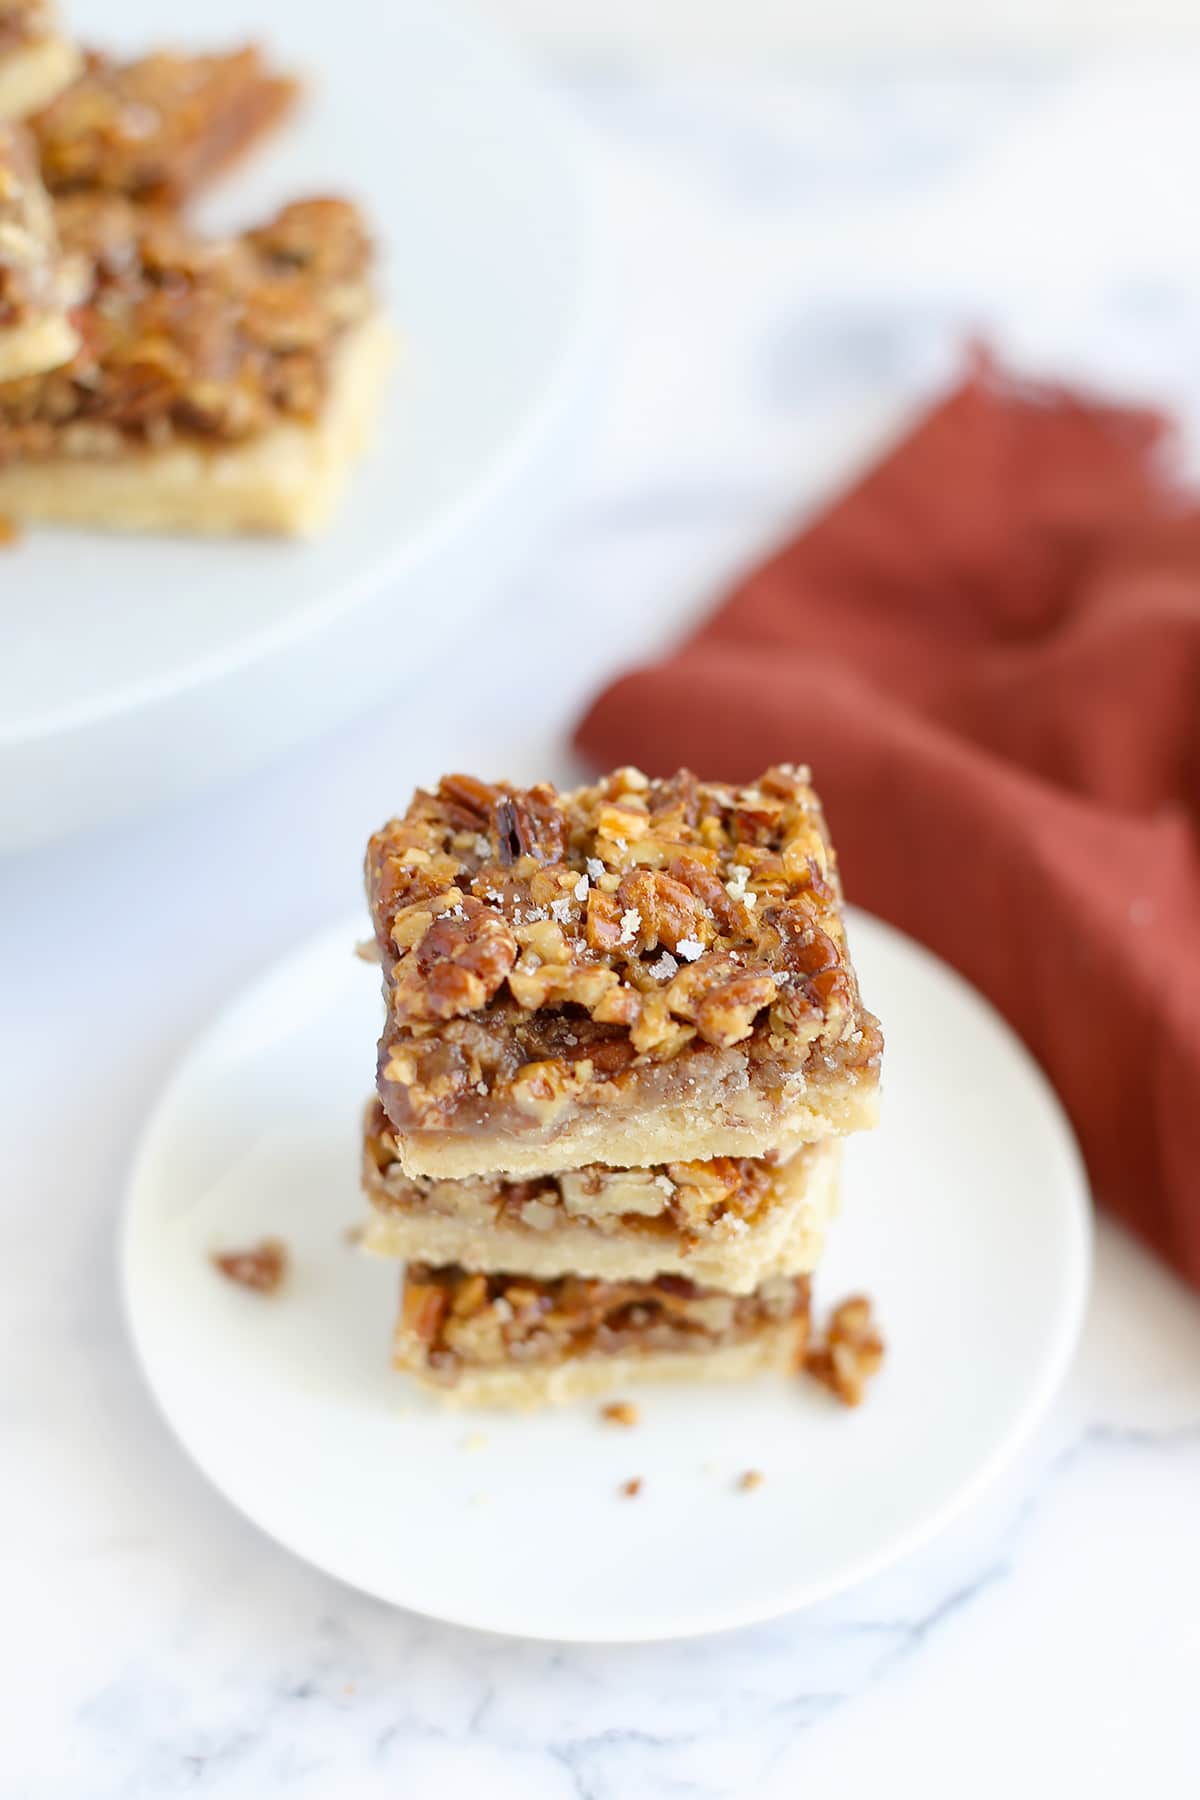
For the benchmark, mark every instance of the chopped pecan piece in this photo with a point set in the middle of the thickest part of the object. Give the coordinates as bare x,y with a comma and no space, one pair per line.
666,911
470,1296
425,1305
457,965
543,1090
159,127
711,892
529,824
727,1012
261,1268
469,800
852,1351
604,914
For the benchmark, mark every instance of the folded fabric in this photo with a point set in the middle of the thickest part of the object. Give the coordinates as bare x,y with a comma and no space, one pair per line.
989,651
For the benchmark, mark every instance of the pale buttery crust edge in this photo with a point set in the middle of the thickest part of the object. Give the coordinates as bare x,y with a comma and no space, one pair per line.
774,1347
787,1241
287,481
34,73
43,343
832,1108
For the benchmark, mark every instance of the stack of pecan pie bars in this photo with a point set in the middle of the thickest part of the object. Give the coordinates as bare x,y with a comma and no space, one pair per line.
151,377
623,1040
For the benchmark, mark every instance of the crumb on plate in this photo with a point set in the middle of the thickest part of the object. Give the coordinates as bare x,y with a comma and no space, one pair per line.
261,1268
850,1353
620,1412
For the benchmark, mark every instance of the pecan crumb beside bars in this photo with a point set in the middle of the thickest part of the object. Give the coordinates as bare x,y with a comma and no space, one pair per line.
36,60
510,1340
219,385
621,974
37,285
728,1223
158,128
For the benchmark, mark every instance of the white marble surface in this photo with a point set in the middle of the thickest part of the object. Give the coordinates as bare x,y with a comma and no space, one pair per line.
156,1644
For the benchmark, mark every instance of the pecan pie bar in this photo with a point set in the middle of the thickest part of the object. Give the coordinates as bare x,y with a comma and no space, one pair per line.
219,385
36,61
728,1223
158,128
508,1340
611,974
37,286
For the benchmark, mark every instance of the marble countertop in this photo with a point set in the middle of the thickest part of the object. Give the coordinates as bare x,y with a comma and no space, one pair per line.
158,1644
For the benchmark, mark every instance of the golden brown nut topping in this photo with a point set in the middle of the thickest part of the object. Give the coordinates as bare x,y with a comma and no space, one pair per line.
457,964
262,1267
157,128
851,1352
541,949
620,1412
185,337
451,1319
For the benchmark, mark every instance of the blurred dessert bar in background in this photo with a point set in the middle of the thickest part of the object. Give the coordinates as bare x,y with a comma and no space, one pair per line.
509,1340
36,60
152,378
159,127
629,973
37,287
219,384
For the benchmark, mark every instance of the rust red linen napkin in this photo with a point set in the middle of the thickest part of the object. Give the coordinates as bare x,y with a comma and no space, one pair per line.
989,651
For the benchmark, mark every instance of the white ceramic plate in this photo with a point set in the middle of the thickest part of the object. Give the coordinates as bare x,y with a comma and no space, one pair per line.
132,669
965,1216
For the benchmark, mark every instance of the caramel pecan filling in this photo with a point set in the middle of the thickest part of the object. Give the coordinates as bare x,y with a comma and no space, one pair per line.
685,1199
156,128
188,338
451,1319
539,943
